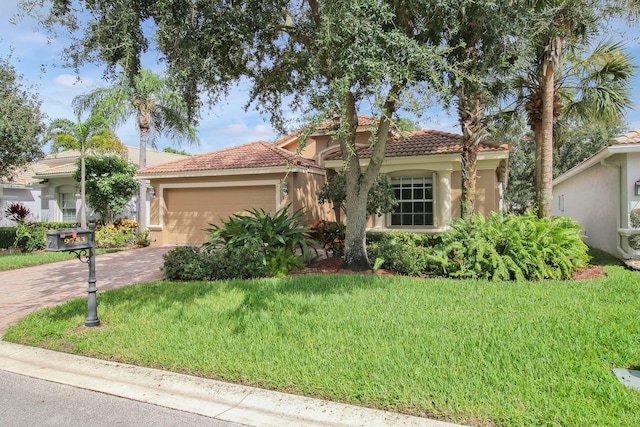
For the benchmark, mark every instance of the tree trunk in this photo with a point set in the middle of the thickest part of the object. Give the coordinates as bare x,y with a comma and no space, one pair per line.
537,133
358,184
355,253
83,199
546,158
470,114
144,122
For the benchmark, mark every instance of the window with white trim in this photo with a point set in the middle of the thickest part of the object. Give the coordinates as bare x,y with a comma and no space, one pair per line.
415,200
68,207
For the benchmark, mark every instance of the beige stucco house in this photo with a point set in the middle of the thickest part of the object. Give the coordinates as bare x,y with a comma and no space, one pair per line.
47,189
601,192
423,167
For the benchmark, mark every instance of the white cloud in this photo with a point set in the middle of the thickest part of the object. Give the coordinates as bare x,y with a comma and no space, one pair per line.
69,80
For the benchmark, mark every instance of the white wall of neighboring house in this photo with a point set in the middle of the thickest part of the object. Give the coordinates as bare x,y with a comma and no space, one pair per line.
26,196
600,194
592,197
633,175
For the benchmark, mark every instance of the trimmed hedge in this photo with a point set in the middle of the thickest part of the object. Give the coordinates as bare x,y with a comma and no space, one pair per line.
7,237
194,263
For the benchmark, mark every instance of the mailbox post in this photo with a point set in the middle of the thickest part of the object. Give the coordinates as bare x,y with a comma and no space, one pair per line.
80,242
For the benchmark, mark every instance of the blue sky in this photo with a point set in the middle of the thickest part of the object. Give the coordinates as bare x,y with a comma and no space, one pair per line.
226,124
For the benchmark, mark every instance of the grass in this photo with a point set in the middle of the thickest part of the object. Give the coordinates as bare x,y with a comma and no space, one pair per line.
13,261
474,352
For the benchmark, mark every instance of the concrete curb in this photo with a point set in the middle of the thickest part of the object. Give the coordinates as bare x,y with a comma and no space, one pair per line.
216,399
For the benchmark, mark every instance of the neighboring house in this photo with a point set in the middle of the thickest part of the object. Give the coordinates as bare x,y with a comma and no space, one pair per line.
423,166
47,189
601,192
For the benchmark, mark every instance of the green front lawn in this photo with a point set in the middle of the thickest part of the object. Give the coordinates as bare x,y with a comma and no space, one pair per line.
474,352
13,261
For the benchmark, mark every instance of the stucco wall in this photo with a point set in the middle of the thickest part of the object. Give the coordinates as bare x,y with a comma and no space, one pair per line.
593,199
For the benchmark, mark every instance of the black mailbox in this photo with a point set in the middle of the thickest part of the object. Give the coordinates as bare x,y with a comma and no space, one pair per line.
69,240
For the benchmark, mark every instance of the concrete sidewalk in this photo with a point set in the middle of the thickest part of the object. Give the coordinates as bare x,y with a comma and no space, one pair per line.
215,399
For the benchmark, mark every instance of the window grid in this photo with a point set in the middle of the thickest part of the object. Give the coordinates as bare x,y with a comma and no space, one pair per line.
415,201
68,207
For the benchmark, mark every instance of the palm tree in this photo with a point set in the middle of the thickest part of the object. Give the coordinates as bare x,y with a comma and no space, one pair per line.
560,28
586,87
158,110
89,136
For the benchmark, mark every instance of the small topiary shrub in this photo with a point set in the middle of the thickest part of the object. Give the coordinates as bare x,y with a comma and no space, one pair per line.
7,237
185,263
194,263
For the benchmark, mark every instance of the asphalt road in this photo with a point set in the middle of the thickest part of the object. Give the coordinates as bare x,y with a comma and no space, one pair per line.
26,401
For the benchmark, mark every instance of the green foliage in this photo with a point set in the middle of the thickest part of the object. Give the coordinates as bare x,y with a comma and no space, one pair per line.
401,252
329,235
143,239
281,261
7,237
109,185
500,247
511,247
193,263
112,236
380,200
22,123
176,151
29,237
262,229
634,218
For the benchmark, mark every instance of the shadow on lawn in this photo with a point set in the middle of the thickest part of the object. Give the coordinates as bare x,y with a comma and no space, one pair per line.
258,295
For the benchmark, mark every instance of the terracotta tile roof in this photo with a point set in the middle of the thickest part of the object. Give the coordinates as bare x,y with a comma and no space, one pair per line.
632,137
362,121
258,154
424,142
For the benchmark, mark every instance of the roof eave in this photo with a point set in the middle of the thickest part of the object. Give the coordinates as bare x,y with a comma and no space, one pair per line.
231,172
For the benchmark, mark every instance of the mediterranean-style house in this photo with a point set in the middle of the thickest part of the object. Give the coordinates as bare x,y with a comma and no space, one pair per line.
423,167
601,192
47,189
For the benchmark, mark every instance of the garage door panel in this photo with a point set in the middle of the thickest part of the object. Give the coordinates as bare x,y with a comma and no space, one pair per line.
189,211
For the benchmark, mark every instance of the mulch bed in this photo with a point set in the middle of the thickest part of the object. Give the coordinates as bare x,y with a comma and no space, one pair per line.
332,266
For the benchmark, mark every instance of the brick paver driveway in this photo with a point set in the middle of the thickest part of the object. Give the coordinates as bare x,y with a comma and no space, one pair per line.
28,289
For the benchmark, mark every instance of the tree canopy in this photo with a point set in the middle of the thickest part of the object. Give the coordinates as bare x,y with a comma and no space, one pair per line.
21,123
90,136
110,185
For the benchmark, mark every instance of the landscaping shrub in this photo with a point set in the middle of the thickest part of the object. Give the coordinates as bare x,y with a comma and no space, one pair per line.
401,252
30,237
185,263
194,263
7,237
263,230
510,247
17,212
634,241
121,233
329,235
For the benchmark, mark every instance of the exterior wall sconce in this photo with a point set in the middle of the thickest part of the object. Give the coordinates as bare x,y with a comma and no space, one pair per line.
284,188
152,191
637,188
